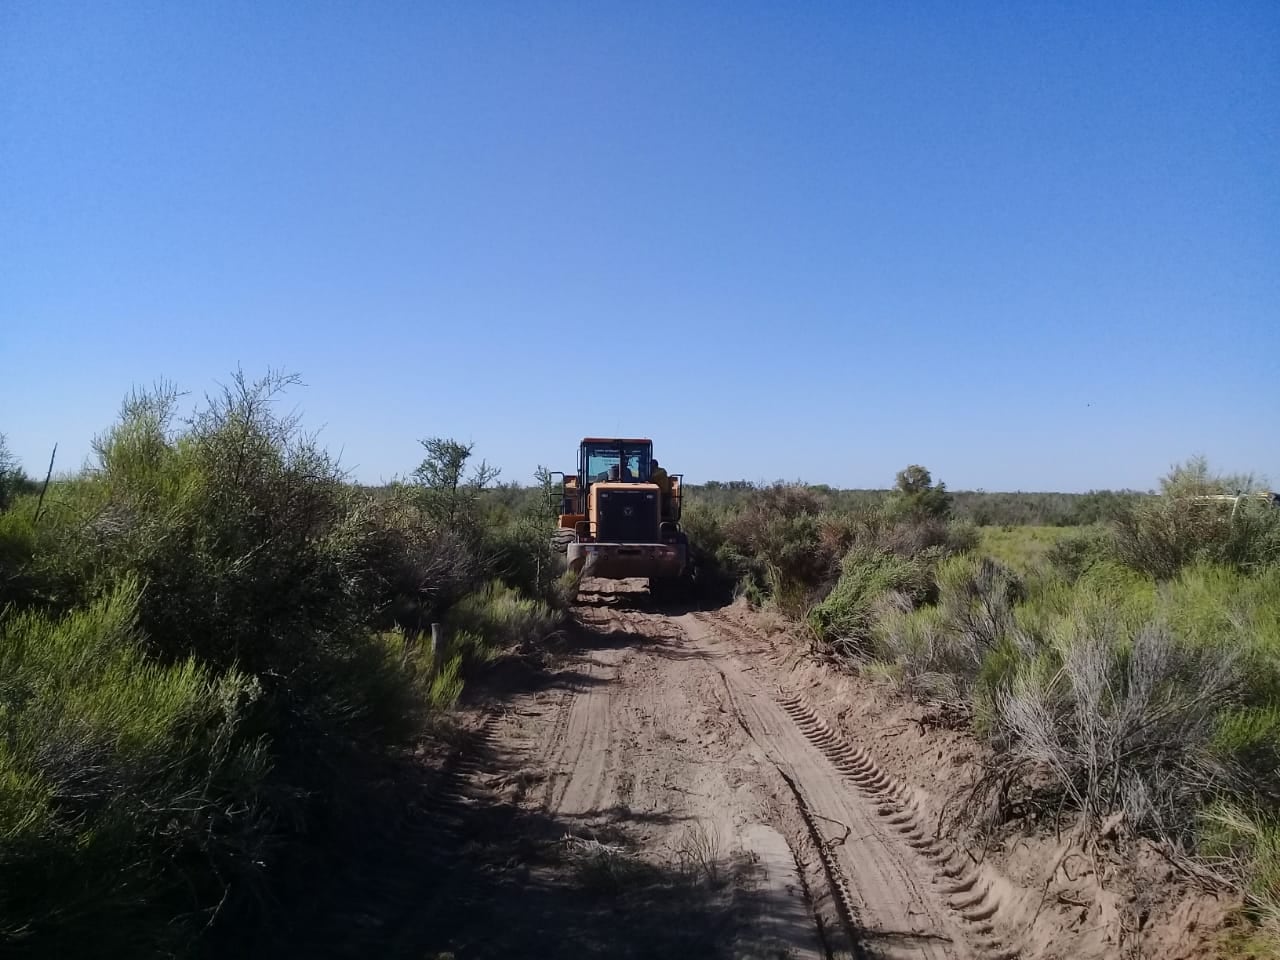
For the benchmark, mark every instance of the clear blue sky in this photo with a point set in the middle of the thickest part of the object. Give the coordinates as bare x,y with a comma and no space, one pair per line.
1030,245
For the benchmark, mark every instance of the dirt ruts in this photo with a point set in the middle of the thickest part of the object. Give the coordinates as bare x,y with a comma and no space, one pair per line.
679,802
684,784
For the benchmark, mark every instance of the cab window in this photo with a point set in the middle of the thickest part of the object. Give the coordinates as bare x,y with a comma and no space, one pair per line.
599,458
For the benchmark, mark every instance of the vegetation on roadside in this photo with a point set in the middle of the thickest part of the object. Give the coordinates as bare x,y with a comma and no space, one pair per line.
1126,664
212,644
209,643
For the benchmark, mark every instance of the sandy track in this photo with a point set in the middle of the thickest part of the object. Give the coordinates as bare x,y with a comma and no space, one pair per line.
658,732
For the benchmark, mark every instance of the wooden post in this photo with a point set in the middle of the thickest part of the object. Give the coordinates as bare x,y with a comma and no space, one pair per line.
437,647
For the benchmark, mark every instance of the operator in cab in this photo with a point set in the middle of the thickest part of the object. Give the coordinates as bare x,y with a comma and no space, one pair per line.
658,476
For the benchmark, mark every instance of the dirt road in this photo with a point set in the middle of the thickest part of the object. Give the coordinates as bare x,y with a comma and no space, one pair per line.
686,805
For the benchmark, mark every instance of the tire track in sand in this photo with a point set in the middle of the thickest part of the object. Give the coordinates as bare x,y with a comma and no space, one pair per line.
895,912
657,703
578,779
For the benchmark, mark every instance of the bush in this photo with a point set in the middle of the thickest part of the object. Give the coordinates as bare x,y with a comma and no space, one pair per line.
521,554
1161,535
497,617
130,792
846,616
940,649
911,538
1127,723
254,555
704,526
786,542
777,538
413,571
209,639
916,497
1073,555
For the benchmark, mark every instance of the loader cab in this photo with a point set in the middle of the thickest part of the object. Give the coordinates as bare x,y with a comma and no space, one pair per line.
613,461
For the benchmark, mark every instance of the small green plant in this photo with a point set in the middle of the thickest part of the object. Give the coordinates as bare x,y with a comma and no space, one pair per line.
603,869
497,617
1246,847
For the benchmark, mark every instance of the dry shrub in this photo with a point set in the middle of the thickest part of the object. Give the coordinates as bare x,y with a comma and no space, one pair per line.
698,853
1126,722
909,539
415,570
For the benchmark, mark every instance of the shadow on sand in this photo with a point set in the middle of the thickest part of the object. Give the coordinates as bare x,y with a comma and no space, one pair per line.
468,874
441,865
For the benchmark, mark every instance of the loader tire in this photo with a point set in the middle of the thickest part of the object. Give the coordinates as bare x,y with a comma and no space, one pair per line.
561,539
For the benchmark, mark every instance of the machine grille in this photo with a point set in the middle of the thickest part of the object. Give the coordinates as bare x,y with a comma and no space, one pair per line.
628,516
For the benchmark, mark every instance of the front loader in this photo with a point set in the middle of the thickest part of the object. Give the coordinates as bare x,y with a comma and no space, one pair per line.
615,522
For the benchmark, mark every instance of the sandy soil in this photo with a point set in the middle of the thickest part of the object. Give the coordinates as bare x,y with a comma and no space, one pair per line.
676,785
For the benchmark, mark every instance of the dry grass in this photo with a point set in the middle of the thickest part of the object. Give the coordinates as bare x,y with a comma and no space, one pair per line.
699,855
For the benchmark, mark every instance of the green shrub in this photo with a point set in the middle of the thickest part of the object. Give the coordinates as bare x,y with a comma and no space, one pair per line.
704,526
847,614
1072,555
521,554
439,682
786,542
916,497
1222,608
784,555
1221,605
940,649
255,567
129,791
497,617
1162,535
18,582
1246,843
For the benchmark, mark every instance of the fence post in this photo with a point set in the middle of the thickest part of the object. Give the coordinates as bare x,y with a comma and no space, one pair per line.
437,647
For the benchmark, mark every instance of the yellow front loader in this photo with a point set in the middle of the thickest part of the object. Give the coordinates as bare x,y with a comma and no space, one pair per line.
615,521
